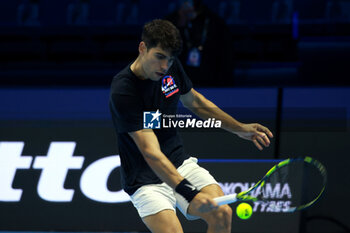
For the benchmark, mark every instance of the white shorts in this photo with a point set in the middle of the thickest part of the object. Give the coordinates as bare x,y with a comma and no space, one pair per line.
153,198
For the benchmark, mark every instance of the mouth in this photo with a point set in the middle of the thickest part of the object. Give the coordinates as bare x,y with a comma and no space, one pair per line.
160,74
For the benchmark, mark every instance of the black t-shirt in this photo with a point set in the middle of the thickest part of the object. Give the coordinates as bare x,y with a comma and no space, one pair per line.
130,97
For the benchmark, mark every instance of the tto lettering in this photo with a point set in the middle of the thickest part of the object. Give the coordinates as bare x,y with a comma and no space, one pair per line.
55,166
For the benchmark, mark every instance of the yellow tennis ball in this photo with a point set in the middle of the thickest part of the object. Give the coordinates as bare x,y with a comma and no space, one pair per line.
244,211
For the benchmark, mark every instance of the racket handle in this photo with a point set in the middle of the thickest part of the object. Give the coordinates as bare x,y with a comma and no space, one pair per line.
228,199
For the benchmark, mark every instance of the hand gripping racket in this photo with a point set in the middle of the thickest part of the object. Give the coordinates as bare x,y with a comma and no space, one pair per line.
306,176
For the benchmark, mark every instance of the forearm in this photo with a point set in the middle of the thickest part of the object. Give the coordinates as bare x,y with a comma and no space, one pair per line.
148,145
205,109
163,168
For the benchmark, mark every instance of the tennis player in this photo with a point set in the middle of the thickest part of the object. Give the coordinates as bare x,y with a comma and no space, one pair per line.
156,172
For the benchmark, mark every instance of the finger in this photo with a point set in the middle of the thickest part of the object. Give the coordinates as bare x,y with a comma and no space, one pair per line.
257,144
266,130
269,133
213,204
263,141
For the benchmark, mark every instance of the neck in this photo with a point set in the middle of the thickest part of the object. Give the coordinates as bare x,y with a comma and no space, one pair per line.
136,68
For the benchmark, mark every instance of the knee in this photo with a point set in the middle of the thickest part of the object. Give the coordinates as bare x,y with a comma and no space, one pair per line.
220,218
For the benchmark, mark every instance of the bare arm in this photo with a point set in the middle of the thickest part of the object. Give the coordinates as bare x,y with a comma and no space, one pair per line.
205,109
148,144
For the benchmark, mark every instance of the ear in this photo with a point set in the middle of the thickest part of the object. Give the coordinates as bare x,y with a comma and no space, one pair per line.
142,47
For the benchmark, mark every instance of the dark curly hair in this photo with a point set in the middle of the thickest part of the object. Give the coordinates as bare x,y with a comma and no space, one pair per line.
163,33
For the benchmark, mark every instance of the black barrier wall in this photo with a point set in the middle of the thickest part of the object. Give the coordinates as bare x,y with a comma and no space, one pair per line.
59,164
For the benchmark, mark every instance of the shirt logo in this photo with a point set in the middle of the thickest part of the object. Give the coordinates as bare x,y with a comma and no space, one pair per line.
191,187
151,120
169,86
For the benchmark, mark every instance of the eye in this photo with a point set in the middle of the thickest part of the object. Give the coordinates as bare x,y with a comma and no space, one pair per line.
160,56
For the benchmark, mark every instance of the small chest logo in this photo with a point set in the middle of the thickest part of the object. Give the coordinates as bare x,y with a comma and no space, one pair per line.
169,86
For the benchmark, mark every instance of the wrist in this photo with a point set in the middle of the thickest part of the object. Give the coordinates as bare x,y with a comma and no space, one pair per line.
187,190
237,128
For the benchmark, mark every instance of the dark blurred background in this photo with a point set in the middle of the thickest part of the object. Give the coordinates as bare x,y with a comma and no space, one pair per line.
85,42
284,63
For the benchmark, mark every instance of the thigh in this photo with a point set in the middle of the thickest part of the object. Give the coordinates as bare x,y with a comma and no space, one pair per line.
201,179
154,198
213,190
165,221
220,219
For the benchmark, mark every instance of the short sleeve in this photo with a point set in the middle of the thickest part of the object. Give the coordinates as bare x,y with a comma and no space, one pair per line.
127,112
185,84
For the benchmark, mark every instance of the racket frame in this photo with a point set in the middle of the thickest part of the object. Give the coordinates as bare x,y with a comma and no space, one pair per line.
243,196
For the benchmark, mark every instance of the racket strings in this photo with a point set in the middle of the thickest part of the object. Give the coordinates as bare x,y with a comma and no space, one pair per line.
292,185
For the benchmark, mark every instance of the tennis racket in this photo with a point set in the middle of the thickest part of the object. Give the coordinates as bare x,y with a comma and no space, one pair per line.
305,176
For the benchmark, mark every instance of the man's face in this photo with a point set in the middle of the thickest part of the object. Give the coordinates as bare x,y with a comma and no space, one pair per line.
155,62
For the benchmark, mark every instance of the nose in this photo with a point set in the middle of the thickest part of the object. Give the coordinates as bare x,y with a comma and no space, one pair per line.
165,66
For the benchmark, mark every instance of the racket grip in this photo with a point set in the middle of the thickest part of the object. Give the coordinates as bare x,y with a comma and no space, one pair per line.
228,199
